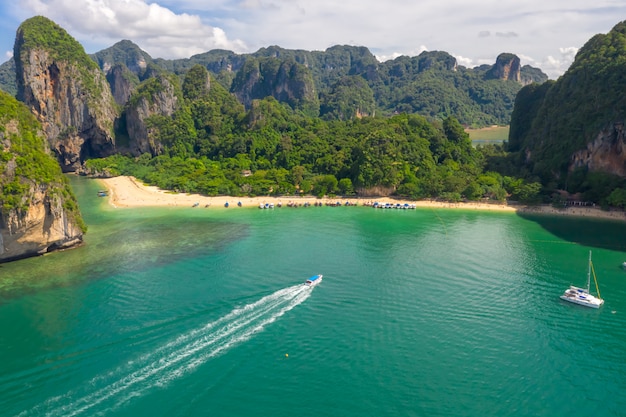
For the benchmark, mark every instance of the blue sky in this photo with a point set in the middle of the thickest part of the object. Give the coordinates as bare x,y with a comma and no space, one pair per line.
545,34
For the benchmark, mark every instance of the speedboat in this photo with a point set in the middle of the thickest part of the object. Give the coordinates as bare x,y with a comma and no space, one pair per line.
313,281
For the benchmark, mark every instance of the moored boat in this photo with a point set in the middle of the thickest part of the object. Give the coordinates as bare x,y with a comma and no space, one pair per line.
582,296
314,280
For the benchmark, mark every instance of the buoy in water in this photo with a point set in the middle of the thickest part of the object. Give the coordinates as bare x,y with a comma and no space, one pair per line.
286,355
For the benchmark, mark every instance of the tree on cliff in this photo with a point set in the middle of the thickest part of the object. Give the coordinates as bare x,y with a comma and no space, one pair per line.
38,210
581,113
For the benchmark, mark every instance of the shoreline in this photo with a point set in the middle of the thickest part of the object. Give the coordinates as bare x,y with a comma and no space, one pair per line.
128,192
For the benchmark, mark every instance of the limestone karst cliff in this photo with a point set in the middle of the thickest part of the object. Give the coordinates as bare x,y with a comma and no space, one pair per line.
122,82
507,67
38,212
66,90
606,153
576,122
285,80
157,96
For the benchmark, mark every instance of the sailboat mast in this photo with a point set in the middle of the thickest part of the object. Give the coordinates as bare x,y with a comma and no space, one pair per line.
589,273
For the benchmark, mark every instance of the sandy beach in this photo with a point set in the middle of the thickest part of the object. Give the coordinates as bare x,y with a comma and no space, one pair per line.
129,192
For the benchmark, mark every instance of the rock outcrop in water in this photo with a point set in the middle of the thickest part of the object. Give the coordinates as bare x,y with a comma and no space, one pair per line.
38,212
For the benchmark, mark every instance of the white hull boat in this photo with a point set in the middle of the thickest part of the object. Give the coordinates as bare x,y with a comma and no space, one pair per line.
313,281
582,296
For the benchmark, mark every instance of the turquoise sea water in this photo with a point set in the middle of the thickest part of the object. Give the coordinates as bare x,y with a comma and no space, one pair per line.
201,312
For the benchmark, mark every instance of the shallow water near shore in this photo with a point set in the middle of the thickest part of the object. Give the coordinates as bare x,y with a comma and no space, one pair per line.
201,312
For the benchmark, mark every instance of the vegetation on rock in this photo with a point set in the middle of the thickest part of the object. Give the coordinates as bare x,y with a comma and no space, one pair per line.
213,146
431,84
25,161
553,121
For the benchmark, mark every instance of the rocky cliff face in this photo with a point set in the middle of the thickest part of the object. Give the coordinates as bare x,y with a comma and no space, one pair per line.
43,226
286,81
507,67
67,92
157,96
38,212
577,120
119,78
607,153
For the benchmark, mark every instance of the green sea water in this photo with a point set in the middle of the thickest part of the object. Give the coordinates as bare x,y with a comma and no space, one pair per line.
202,312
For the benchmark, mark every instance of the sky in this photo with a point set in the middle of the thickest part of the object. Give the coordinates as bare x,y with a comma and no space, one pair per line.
543,33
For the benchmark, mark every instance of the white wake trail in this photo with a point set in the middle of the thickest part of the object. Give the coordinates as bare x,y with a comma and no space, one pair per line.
178,357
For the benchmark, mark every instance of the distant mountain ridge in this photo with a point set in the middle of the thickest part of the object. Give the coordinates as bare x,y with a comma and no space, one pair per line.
431,84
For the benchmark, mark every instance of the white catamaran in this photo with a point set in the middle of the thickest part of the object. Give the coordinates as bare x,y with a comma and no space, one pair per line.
582,296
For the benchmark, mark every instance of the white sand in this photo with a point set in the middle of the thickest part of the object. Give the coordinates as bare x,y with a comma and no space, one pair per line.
129,192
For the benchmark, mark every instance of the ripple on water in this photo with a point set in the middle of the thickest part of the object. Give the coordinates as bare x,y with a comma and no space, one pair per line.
422,312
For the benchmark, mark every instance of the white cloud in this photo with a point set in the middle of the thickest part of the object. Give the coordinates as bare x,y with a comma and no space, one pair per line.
394,55
156,29
556,66
464,61
476,30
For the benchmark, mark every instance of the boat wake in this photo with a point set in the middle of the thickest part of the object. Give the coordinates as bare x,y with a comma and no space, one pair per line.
174,359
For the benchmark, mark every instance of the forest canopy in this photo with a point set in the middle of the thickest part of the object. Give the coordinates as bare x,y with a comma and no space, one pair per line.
213,146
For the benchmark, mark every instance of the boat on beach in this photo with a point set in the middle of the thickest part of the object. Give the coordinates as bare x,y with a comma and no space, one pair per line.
313,281
582,296
404,206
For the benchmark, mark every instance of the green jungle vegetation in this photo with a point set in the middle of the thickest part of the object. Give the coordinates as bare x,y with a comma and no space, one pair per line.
214,146
41,32
8,83
430,84
127,53
553,120
25,161
290,121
